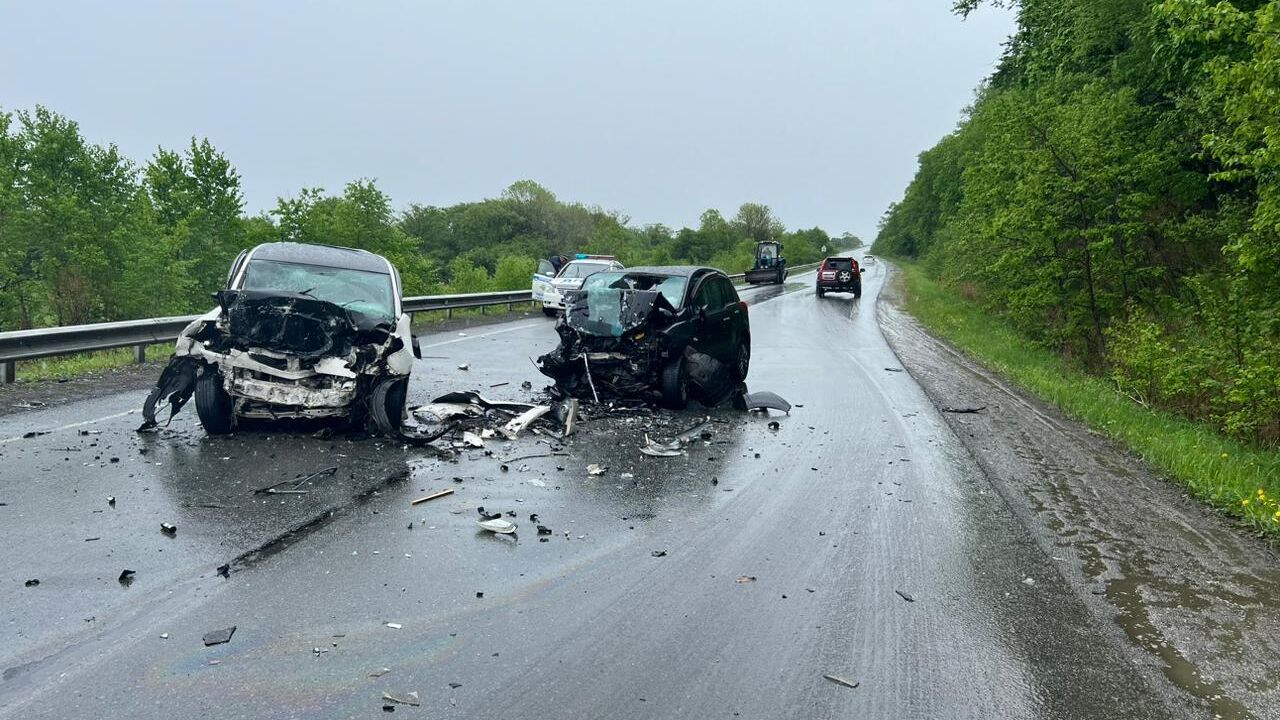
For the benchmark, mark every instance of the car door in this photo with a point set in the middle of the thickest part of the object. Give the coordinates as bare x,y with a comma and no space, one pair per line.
715,331
737,326
542,279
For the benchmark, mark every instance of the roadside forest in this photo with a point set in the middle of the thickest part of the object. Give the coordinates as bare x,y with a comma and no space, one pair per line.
1113,193
88,235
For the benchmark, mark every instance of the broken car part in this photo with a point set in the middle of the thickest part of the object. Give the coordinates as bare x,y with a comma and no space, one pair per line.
218,637
497,525
767,401
432,496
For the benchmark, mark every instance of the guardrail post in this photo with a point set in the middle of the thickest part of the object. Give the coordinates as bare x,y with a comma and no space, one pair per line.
8,372
482,309
139,354
448,313
511,307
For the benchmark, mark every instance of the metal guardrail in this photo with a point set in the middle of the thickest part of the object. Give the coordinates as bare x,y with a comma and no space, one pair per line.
138,334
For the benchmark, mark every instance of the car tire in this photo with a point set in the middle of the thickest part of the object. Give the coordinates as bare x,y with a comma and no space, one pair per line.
386,404
675,384
821,292
213,404
743,364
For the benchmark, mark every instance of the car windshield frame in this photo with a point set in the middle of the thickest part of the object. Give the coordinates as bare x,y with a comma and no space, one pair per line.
371,293
672,287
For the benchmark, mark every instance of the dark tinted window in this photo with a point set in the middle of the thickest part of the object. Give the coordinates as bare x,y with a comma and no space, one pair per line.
839,264
707,296
728,295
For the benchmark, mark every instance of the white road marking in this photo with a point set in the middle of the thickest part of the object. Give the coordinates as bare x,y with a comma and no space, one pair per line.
482,335
72,426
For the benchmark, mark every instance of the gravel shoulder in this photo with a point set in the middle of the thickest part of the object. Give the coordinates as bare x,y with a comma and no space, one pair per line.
1192,593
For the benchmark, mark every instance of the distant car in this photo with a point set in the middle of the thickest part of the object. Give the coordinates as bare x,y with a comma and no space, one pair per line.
570,278
868,260
301,331
663,334
840,274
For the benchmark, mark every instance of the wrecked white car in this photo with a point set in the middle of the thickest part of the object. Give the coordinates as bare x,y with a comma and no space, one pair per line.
301,331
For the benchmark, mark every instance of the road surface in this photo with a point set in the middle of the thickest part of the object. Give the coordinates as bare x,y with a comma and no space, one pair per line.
870,539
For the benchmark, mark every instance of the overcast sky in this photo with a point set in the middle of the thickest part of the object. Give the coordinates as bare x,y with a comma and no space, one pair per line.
657,108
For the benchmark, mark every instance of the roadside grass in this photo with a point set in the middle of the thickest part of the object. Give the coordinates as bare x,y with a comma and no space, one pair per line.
1240,479
69,366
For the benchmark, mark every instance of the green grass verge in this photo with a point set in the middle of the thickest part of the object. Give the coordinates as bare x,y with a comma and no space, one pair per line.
1242,480
68,366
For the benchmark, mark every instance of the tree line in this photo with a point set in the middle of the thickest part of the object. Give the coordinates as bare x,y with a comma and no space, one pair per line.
1114,193
87,235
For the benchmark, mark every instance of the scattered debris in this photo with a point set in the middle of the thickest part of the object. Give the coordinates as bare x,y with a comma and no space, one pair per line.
544,530
169,529
745,579
111,500
963,410
498,385
224,570
432,496
164,636
454,685
841,681
539,455
497,525
512,429
888,369
536,482
34,433
659,553
297,483
379,672
405,699
767,401
464,366
470,439
31,583
126,577
665,450
1028,581
393,626
905,596
218,637
595,469
774,425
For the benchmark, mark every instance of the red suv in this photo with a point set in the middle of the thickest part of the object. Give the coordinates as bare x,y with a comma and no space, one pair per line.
840,274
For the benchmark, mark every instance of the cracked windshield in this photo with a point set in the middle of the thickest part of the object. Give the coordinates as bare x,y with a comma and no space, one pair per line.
662,360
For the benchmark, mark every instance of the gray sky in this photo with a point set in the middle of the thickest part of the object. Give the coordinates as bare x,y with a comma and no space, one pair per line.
658,108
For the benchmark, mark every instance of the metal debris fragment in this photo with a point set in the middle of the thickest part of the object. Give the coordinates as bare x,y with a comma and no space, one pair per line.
169,529
742,579
218,637
432,496
905,596
595,469
497,525
410,698
841,681
767,401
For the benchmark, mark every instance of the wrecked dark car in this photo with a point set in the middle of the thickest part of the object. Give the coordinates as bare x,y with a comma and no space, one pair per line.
301,331
654,334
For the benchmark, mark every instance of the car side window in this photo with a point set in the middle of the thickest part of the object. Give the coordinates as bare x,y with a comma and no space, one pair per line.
728,296
705,297
545,268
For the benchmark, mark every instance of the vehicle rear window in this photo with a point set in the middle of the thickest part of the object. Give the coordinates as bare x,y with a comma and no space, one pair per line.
839,264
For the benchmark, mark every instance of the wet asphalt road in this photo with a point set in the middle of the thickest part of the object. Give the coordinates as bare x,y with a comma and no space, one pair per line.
860,540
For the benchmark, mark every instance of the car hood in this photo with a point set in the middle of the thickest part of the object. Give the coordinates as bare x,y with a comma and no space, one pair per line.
298,324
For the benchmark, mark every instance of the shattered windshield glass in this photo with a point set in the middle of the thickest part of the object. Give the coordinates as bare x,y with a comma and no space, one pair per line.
611,303
363,292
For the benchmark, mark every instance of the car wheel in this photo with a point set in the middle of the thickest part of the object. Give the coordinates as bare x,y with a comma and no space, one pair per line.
675,385
213,404
549,312
821,292
743,364
386,404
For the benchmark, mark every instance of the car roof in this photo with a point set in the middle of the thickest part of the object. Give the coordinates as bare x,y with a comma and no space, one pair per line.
672,270
323,255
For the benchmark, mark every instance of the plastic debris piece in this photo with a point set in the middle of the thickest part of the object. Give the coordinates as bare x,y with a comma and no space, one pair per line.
570,416
497,525
775,425
663,450
393,626
225,570
455,685
893,369
841,681
745,579
513,429
544,530
432,496
169,529
379,672
536,482
526,385
164,636
659,553
595,469
126,577
218,637
111,500
31,583
767,401
905,596
410,698
471,439
464,366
